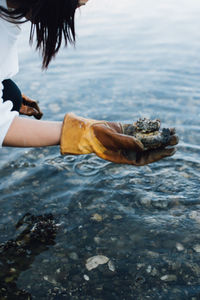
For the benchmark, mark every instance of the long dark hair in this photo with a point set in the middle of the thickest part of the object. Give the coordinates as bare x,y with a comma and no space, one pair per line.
51,20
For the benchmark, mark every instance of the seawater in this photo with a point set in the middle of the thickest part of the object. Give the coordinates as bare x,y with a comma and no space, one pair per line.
132,59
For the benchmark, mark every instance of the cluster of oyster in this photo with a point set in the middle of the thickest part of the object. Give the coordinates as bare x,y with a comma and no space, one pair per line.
149,133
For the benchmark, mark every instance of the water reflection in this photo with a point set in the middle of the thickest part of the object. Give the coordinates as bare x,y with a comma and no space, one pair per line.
90,167
133,59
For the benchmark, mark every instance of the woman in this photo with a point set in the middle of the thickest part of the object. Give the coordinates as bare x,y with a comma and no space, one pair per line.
52,21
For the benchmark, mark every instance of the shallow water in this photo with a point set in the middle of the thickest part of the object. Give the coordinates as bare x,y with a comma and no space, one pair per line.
132,59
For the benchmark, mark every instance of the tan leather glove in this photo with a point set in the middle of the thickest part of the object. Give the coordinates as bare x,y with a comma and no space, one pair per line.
108,141
30,108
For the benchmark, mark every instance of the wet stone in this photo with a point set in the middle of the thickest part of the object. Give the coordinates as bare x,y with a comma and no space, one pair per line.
97,240
154,272
196,248
73,256
95,261
111,266
169,278
179,247
97,217
86,277
148,270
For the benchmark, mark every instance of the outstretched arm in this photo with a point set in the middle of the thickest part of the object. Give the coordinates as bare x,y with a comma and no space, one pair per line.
77,135
32,133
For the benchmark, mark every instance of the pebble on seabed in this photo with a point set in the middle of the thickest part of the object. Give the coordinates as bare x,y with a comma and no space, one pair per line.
194,215
111,266
86,277
169,277
179,247
95,261
73,256
97,217
196,248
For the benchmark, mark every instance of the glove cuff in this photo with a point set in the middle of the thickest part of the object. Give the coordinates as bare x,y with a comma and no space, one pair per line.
74,135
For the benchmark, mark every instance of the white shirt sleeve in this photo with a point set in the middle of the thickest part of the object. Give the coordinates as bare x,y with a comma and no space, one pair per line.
8,67
6,115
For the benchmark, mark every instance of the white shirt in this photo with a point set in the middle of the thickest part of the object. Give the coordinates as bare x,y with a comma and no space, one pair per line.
8,67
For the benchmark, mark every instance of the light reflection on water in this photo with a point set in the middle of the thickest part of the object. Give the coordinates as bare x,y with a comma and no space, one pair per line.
132,59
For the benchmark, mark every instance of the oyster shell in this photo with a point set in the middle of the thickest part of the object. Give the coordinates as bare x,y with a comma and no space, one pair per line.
149,133
147,125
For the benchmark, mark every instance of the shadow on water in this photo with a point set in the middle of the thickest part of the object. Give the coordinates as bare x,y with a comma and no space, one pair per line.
16,256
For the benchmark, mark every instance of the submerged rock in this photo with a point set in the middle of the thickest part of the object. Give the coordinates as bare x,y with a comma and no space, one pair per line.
111,266
86,277
97,217
169,277
95,261
179,247
196,248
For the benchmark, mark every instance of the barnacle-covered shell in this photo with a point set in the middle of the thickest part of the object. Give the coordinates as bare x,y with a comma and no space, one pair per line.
149,133
147,125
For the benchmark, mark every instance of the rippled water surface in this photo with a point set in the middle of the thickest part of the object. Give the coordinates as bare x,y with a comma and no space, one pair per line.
132,59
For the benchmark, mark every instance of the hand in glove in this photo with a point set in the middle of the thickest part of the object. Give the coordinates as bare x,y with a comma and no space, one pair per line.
30,108
111,141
